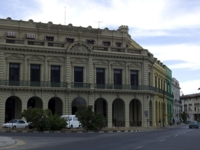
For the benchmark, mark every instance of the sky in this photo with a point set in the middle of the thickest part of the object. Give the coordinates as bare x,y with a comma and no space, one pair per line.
169,29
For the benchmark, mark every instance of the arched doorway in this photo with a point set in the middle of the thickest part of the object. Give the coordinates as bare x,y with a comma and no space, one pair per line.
150,113
34,102
78,103
55,105
100,106
118,113
135,107
13,108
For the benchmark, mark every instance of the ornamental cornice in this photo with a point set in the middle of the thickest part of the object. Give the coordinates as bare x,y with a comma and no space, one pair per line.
71,90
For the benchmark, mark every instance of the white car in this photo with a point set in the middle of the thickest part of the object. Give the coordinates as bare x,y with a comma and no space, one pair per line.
15,124
72,121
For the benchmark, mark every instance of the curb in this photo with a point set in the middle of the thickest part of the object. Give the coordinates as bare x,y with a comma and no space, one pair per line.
108,131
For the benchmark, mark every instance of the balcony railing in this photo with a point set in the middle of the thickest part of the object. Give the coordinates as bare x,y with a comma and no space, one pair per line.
84,85
80,85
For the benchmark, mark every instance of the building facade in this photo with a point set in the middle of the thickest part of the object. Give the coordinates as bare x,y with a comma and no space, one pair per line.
176,103
63,68
191,104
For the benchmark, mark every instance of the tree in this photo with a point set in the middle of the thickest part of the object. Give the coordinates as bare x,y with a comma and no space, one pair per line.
90,120
184,115
43,120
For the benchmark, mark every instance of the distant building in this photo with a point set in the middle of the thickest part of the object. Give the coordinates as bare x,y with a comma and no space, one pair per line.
191,104
176,102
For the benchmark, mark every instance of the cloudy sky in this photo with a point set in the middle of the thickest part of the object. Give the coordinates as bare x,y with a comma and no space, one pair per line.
170,29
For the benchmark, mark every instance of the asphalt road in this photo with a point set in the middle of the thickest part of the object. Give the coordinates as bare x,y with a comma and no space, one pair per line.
177,138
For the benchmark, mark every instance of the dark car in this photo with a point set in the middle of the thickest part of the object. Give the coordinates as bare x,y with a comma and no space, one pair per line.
194,124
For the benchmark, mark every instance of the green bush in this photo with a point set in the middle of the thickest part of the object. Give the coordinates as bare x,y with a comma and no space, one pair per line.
56,122
43,120
90,120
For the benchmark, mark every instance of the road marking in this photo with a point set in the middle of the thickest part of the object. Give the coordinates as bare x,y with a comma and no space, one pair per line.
162,140
175,135
18,143
138,147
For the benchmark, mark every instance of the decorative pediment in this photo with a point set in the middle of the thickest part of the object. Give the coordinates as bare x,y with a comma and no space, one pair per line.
118,63
15,57
36,58
79,47
100,62
135,64
78,61
56,59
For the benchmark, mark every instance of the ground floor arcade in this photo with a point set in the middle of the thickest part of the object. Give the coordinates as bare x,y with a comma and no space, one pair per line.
119,109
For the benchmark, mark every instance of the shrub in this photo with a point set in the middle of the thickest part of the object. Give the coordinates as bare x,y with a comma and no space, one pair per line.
90,120
43,120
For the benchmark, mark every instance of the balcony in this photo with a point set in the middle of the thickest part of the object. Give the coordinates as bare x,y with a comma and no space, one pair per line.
84,86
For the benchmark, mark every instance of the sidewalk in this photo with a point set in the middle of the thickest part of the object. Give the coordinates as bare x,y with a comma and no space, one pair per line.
6,141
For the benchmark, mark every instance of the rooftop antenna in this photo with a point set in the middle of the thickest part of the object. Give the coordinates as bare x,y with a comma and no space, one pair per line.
99,22
65,16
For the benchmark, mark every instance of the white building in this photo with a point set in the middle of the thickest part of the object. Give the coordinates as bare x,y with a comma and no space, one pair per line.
177,103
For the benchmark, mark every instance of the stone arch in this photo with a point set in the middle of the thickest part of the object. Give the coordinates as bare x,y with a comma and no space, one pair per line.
34,102
135,110
77,104
79,47
101,106
13,108
55,104
156,113
118,112
150,113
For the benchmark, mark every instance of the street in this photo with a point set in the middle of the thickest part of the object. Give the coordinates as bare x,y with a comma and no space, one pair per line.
171,138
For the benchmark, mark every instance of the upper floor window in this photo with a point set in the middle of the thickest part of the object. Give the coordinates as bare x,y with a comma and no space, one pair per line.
11,34
90,41
55,73
117,76
30,36
14,73
118,44
49,38
78,74
70,40
106,43
35,75
155,81
100,76
134,77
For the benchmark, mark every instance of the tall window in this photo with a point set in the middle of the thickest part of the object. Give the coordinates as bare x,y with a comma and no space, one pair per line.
78,74
100,76
14,69
155,81
149,78
55,75
134,77
118,78
159,83
35,75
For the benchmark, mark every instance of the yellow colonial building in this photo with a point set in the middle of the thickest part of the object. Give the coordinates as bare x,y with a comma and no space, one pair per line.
60,67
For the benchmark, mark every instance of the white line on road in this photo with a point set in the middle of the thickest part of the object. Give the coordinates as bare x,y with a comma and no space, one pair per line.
138,147
162,140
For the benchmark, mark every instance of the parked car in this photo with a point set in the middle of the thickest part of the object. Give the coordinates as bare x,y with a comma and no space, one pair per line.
15,124
72,121
194,124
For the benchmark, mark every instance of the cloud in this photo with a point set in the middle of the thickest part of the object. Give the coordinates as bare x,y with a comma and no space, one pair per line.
189,87
187,53
140,14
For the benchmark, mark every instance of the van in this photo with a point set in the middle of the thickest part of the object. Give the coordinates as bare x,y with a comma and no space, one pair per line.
72,121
